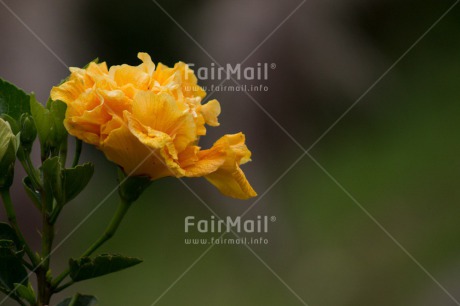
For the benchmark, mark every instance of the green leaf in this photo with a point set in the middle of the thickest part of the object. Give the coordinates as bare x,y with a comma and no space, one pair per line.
87,268
79,300
75,180
96,61
7,233
11,269
65,184
27,293
51,170
13,101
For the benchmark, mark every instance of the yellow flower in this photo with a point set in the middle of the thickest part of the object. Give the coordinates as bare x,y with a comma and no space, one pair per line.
148,119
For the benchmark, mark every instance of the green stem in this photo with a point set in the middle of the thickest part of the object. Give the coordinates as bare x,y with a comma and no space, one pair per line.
47,240
108,233
78,147
74,300
63,152
62,287
6,197
45,289
28,265
31,172
111,229
55,214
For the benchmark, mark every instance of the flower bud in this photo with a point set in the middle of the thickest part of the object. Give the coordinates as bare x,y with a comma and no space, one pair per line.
12,122
8,148
28,132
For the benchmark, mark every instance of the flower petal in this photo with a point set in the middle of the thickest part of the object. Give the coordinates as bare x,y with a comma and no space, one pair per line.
232,183
161,113
138,156
68,91
147,64
126,74
210,112
198,163
220,166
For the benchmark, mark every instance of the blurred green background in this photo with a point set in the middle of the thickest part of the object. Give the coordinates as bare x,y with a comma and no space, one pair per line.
396,153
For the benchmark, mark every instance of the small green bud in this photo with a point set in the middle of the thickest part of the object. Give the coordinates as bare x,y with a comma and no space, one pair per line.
8,147
12,122
49,125
28,131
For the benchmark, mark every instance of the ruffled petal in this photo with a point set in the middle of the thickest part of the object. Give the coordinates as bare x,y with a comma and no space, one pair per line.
232,183
138,156
198,163
126,74
161,113
68,91
147,65
220,165
210,112
189,81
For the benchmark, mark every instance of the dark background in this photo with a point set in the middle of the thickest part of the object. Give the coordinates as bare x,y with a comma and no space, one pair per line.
395,154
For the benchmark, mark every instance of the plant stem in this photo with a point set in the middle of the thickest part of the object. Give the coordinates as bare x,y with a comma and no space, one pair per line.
62,287
28,265
74,300
47,240
6,197
63,152
111,229
28,166
78,147
55,214
32,172
108,233
45,289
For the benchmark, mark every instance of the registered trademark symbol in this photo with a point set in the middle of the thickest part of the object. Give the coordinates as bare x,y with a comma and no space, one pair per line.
273,218
273,66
